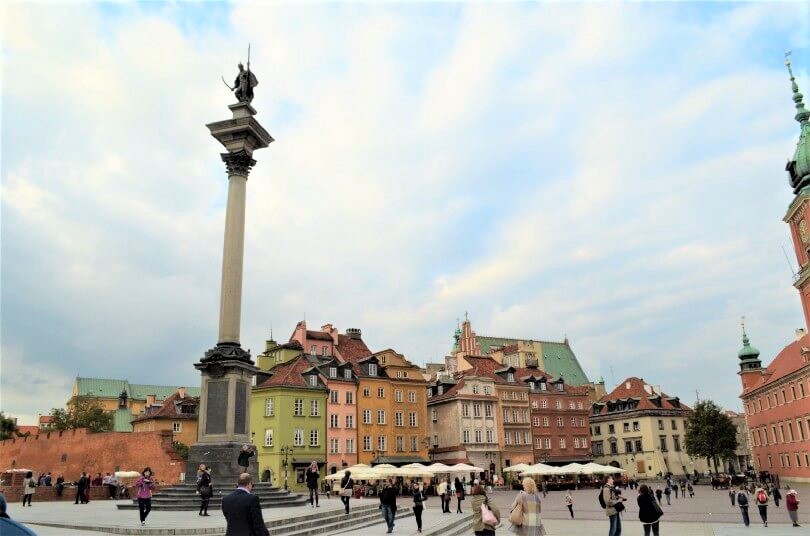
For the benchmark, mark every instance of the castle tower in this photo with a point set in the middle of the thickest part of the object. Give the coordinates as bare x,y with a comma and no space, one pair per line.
750,365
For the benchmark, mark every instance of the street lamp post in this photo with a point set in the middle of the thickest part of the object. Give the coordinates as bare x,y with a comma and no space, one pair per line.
286,452
491,456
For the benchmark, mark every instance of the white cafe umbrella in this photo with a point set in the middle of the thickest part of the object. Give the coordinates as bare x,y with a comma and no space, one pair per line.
541,469
465,468
519,468
438,468
571,469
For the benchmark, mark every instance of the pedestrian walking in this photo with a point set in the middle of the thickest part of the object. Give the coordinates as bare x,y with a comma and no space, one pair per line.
243,510
569,503
659,494
486,514
311,477
742,502
448,496
528,503
675,489
690,489
792,503
419,498
204,488
441,489
145,484
777,496
649,511
667,493
613,504
82,488
245,454
731,495
29,486
544,487
346,490
683,488
459,487
761,499
388,504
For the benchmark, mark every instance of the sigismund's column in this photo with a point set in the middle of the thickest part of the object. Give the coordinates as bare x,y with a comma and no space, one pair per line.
227,369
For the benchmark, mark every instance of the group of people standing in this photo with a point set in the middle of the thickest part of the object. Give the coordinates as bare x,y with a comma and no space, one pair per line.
761,497
447,490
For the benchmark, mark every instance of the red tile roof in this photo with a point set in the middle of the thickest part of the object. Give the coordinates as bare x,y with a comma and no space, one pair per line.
318,335
169,410
634,388
352,350
46,419
787,361
288,374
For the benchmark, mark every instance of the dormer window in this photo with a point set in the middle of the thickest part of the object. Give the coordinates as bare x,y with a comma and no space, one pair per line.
543,385
560,386
531,385
347,373
510,377
372,369
441,389
313,380
333,372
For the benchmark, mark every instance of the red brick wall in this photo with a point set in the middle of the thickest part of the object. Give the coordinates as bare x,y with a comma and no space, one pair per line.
93,453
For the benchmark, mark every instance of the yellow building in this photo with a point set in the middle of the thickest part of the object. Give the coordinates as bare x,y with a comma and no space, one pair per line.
642,430
177,413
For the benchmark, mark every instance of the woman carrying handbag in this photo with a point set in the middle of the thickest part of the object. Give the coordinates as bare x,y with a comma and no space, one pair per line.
649,510
346,490
486,515
525,511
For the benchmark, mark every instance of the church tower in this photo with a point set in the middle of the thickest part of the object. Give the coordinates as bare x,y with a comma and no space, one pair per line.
798,213
750,365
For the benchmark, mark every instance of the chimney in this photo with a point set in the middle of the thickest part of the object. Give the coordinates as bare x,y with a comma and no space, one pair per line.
150,400
181,392
800,332
354,333
627,385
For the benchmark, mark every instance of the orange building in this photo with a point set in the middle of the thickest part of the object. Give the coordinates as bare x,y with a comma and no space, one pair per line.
177,413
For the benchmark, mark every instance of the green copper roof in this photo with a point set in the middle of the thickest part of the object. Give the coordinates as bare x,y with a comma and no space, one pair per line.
122,420
748,352
558,357
799,167
106,388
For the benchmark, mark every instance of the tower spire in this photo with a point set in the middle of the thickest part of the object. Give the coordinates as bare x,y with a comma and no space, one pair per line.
802,114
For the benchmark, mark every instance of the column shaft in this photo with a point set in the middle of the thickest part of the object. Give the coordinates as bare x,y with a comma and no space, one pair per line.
230,305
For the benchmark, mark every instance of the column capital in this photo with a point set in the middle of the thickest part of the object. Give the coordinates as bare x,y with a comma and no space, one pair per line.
238,163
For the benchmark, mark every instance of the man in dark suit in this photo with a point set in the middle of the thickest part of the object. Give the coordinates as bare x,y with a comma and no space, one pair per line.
242,510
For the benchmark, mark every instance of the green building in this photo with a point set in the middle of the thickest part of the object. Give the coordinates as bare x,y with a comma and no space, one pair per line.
288,421
275,353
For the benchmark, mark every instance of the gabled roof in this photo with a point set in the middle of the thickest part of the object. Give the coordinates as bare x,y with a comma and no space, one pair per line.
110,388
558,358
634,388
318,335
787,361
289,374
350,349
169,409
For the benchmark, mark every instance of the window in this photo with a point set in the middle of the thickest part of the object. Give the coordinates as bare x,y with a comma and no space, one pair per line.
380,392
412,419
399,444
507,438
350,446
366,416
268,407
478,436
639,448
382,443
313,350
562,442
313,438
489,436
510,377
398,420
536,421
333,421
597,430
299,407
435,441
349,397
476,409
582,421
334,397
176,427
559,421
372,369
324,350
412,397
487,390
628,446
560,386
544,404
466,436
573,421
611,429
543,385
534,404
583,442
527,439
676,443
268,437
663,443
547,443
434,415
465,409
347,373
558,404
674,424
414,445
488,410
475,389
614,449
571,405
576,442
349,421
367,443
579,405
545,422
626,427
333,372
538,442
334,446
598,448
366,392
380,416
298,437
314,408
660,424
398,395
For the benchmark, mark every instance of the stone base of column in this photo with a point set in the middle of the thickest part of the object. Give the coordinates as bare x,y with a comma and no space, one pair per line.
221,458
227,351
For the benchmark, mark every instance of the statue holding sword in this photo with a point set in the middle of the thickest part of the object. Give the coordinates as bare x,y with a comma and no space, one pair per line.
244,83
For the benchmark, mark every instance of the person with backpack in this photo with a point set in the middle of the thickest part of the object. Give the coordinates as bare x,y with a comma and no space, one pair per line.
761,498
742,502
613,503
649,510
792,503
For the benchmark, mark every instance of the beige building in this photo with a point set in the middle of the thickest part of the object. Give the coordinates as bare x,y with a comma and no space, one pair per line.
642,430
742,456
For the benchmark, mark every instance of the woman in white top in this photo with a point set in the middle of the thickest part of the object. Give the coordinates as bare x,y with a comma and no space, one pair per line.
29,485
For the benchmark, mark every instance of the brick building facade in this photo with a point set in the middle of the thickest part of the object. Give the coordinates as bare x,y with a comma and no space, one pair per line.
560,419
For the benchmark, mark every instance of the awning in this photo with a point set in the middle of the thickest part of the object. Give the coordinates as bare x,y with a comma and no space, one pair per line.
398,460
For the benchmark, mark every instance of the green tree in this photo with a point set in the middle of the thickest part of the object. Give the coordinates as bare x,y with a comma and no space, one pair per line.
181,449
8,427
83,413
710,434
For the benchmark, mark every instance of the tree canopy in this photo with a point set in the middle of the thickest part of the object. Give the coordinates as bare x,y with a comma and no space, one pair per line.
8,427
710,433
83,413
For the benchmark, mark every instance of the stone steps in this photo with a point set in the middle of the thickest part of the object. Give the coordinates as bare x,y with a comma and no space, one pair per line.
370,516
184,497
455,527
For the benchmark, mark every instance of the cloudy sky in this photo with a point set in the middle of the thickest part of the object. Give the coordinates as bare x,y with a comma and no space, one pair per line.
610,172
